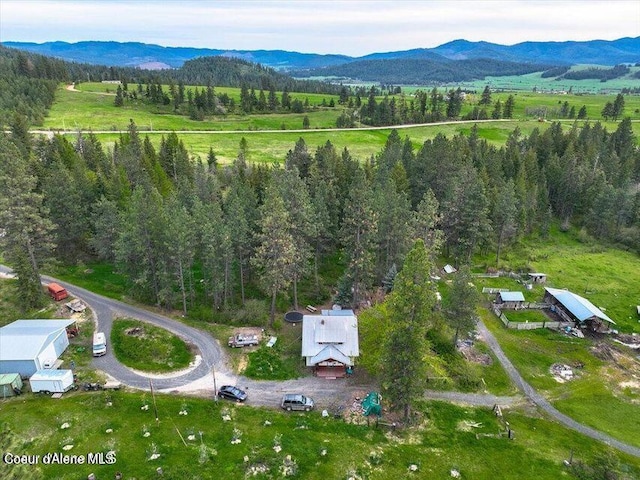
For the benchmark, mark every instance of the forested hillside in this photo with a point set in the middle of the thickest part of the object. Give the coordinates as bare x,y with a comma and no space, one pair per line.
200,237
422,71
600,52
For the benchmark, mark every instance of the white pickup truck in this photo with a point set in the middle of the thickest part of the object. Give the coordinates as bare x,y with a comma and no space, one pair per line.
240,340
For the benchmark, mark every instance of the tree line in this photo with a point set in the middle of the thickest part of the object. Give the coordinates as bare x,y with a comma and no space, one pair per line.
191,234
416,71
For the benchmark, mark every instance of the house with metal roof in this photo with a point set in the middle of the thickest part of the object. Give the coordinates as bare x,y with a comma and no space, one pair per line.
574,308
330,342
30,345
512,300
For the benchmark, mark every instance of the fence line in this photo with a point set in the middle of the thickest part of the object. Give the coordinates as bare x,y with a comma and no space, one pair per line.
525,325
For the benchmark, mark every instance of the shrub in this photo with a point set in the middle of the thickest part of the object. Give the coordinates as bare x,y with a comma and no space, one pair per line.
255,313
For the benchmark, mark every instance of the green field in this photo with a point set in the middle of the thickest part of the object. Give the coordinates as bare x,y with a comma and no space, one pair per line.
610,279
218,439
519,83
89,110
596,397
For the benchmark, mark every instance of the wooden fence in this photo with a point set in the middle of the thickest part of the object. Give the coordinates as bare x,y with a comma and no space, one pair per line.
525,325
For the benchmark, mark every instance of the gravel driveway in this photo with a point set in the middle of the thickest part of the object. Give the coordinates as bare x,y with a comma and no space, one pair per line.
199,380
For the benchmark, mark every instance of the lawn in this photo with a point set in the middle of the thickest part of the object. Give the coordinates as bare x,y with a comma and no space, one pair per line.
148,348
217,439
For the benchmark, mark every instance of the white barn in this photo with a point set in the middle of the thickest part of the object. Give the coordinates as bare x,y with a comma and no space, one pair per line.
29,345
330,342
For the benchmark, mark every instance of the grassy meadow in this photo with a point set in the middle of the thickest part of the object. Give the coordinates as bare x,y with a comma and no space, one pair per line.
605,392
271,136
217,439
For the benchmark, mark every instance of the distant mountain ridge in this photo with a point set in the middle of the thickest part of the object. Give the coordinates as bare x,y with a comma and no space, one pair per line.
134,54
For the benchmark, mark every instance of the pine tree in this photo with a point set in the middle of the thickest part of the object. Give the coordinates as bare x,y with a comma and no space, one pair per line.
485,98
275,255
358,231
119,100
509,105
460,307
410,306
504,216
27,239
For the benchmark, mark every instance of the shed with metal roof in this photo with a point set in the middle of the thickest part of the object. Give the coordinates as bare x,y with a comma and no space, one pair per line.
510,299
574,308
30,345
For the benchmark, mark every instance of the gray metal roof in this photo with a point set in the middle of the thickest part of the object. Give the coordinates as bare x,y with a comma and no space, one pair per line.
580,307
25,339
338,331
511,296
330,352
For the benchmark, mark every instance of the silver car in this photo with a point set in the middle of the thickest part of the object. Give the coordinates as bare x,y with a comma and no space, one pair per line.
296,401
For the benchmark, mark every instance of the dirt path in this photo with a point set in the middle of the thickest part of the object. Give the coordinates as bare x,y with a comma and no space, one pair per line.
200,379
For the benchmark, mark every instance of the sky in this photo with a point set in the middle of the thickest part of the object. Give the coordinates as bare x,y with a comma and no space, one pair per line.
355,27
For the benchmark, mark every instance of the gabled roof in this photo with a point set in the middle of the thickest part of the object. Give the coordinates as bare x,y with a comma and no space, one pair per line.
329,352
580,307
511,296
25,339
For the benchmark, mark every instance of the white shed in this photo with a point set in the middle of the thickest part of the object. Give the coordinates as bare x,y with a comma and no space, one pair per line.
30,345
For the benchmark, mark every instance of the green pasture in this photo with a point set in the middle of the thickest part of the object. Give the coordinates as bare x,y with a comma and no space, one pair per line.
594,397
142,433
314,99
73,111
148,348
532,81
525,316
269,147
608,277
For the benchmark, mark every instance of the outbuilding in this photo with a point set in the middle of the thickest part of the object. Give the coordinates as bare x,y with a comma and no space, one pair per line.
30,345
330,342
574,308
10,385
538,277
513,300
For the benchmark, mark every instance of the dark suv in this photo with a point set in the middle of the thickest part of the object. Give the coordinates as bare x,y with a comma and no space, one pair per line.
296,401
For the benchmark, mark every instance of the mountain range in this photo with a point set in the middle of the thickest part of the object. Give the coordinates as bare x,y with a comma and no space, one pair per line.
600,52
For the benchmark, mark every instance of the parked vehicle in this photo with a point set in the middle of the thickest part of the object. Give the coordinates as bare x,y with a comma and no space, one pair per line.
57,292
51,381
232,393
99,344
240,340
296,401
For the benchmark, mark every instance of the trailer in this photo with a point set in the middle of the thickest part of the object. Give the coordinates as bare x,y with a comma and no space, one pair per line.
57,292
51,381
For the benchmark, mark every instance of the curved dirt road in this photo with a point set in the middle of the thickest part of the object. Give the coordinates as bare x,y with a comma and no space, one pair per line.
199,379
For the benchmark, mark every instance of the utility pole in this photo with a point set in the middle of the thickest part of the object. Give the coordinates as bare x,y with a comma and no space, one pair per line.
215,388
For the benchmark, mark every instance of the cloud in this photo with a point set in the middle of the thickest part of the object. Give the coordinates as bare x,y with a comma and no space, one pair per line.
339,26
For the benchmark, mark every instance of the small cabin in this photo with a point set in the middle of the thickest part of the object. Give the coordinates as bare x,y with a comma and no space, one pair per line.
57,292
512,300
538,277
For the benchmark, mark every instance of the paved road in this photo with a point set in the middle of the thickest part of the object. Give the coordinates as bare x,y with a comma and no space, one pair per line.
268,393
